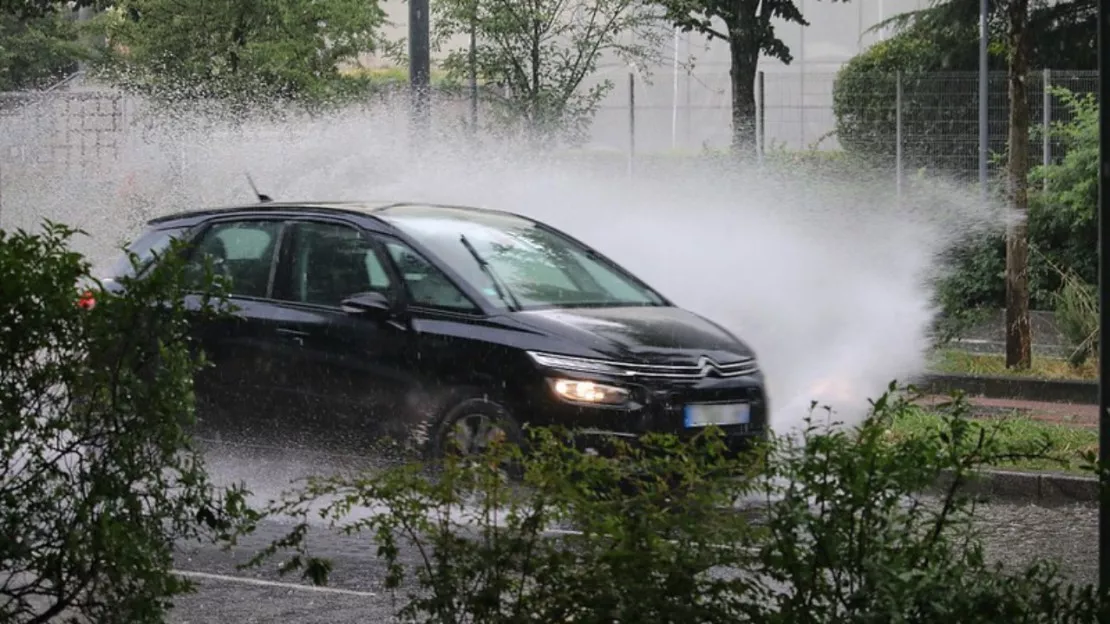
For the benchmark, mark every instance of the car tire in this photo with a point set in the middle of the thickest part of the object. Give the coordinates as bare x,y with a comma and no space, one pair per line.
469,414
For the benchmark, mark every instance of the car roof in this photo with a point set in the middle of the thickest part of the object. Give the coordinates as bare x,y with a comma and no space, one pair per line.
378,210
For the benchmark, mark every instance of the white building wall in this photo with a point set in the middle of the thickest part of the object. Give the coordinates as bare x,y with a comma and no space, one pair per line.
694,110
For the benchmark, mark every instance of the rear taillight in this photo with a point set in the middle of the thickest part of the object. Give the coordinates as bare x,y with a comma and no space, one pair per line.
86,301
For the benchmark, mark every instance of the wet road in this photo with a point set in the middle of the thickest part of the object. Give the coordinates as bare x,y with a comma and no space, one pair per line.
1014,534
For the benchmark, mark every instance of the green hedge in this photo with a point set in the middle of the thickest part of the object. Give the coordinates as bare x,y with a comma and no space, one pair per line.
655,534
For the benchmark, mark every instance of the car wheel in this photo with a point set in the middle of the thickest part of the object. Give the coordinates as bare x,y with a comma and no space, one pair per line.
469,428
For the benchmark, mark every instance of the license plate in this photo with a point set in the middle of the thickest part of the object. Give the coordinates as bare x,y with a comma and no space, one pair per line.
719,414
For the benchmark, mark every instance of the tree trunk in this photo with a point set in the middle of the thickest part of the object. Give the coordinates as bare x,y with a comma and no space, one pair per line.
744,57
1018,332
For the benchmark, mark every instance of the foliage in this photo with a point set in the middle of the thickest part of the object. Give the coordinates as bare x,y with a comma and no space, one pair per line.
939,103
1063,33
749,29
1063,228
1077,317
963,362
972,287
541,55
658,532
1066,445
241,52
98,476
39,45
939,108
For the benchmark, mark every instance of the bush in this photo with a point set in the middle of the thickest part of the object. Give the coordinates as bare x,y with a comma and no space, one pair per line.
1077,317
98,476
938,106
1063,228
845,533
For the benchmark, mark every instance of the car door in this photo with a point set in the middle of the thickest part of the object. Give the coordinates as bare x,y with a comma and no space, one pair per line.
235,392
355,373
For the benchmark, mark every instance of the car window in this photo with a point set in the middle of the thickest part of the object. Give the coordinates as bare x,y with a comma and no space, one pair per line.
330,262
609,281
536,267
145,247
240,251
426,284
243,243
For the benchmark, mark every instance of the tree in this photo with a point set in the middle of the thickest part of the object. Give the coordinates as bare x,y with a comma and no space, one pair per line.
99,478
1062,33
539,53
1052,31
938,109
38,44
250,50
1019,339
1063,229
749,31
939,106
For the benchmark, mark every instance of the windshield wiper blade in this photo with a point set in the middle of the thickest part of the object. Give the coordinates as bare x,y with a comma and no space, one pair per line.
501,288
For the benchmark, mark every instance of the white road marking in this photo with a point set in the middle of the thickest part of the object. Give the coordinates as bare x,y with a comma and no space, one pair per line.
563,532
227,578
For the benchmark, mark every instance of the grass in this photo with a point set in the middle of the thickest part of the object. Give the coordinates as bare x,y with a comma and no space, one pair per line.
1067,443
393,75
955,361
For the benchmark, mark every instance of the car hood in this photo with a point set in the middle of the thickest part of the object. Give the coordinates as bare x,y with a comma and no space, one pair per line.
649,335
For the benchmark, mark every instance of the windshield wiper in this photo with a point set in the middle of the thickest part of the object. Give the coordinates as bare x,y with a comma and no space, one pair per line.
510,300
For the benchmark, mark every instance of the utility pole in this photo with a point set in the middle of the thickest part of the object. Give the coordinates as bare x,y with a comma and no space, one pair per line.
419,64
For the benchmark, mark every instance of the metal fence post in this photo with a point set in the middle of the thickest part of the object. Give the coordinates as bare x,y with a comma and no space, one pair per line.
472,61
1046,122
898,135
759,102
689,108
762,117
631,121
674,93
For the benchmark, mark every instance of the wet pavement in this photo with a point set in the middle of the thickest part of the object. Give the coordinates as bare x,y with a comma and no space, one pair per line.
1014,534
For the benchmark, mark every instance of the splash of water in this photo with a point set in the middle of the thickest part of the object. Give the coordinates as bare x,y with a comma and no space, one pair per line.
826,278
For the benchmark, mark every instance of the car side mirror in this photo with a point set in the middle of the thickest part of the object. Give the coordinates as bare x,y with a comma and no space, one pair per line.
372,304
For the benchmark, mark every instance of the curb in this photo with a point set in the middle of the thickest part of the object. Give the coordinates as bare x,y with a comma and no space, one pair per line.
1041,488
1028,389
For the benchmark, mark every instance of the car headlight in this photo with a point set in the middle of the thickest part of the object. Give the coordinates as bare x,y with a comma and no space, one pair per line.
584,365
588,392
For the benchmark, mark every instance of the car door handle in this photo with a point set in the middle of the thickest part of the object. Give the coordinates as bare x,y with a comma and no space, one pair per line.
296,335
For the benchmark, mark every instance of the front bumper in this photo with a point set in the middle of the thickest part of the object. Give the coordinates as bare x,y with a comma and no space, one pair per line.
656,406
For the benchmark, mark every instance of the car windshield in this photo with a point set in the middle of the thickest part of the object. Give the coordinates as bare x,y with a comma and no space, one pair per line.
517,264
148,244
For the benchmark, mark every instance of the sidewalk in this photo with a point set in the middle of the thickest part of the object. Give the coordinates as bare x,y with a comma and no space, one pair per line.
1073,414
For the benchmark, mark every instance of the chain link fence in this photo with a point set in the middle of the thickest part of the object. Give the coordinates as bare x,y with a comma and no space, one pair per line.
933,116
936,115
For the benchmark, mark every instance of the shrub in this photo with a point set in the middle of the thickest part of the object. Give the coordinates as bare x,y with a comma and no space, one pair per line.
844,533
1063,229
98,476
938,105
1077,317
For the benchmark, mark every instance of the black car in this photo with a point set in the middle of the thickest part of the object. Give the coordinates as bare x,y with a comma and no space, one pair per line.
438,324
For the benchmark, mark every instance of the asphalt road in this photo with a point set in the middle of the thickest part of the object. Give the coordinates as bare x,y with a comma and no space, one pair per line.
1013,533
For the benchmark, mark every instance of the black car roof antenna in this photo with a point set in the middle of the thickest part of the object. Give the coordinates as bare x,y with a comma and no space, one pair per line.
262,199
